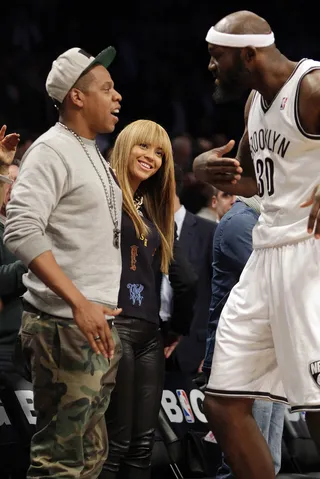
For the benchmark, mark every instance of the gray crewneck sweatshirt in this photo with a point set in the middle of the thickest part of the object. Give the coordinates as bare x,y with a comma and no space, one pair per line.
58,203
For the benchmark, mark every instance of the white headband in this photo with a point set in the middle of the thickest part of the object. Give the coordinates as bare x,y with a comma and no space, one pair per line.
239,41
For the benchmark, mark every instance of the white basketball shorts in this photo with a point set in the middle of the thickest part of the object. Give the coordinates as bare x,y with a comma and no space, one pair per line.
268,337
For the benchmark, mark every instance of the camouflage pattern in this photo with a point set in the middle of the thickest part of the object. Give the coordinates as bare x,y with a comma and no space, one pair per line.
72,388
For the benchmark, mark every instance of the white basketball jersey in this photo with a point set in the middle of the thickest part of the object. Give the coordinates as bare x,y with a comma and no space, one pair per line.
286,160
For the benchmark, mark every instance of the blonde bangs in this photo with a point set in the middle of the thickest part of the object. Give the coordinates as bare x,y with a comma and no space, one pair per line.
150,132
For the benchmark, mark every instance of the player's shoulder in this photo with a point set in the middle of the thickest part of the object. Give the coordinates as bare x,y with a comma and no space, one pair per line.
310,78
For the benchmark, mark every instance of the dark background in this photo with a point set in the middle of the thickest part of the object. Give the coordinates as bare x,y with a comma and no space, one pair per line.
161,66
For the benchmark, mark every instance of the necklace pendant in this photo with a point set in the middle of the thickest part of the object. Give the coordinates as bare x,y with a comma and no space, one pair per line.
110,196
116,238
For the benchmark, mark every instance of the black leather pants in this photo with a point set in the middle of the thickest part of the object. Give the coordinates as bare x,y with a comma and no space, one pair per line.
135,401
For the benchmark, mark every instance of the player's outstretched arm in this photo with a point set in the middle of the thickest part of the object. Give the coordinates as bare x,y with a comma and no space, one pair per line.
232,175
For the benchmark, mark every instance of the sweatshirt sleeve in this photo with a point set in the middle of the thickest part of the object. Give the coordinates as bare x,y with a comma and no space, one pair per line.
41,182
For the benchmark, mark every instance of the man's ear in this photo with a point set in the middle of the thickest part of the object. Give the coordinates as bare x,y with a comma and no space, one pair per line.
77,97
214,202
248,54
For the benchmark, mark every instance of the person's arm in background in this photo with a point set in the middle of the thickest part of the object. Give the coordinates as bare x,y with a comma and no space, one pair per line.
209,265
183,281
8,146
11,278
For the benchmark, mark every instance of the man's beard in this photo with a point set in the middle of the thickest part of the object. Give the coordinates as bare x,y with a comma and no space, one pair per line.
223,94
234,87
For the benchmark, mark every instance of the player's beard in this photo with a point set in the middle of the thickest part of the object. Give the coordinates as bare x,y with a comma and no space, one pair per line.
233,87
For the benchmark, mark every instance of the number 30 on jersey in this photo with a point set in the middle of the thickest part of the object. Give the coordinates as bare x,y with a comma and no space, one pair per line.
265,176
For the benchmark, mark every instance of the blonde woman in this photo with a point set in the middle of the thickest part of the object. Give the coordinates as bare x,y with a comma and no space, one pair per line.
143,163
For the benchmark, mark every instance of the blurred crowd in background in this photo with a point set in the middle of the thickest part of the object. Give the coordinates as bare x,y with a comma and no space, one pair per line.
161,66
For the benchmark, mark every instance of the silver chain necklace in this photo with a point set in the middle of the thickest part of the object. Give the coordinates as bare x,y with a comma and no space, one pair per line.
110,197
138,202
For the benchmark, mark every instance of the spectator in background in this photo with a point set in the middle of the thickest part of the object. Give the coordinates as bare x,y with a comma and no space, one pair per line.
5,182
196,196
195,236
221,204
26,140
11,289
13,171
11,270
202,144
183,152
218,140
232,248
206,201
8,148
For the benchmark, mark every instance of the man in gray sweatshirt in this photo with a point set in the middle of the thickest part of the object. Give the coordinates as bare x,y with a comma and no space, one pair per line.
63,222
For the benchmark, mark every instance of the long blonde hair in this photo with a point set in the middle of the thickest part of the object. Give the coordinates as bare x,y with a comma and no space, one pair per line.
158,190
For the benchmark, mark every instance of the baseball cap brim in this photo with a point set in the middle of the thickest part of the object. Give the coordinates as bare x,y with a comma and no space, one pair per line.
104,58
5,179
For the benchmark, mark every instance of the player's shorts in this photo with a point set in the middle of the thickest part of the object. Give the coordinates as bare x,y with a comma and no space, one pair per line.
268,337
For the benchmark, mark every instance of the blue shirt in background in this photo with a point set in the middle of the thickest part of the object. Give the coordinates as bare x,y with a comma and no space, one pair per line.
232,246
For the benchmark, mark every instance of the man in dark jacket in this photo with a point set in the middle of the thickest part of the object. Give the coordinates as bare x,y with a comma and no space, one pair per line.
11,288
195,237
15,438
11,270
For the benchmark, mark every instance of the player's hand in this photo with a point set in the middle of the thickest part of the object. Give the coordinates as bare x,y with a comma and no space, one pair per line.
314,217
90,317
8,146
212,167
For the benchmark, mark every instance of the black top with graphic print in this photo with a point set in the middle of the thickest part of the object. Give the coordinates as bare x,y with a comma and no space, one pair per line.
138,295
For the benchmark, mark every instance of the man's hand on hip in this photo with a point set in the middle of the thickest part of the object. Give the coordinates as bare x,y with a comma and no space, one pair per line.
90,317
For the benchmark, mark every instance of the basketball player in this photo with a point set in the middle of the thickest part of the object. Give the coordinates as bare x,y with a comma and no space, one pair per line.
268,342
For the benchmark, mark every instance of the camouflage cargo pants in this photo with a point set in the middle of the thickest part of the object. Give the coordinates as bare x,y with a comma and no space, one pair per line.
72,388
